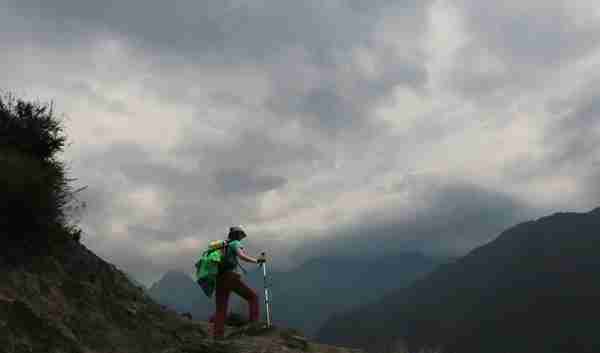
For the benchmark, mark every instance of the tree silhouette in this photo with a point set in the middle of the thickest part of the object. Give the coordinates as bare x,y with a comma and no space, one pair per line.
36,197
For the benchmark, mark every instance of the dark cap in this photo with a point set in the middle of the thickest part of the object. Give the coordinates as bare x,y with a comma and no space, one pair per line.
236,233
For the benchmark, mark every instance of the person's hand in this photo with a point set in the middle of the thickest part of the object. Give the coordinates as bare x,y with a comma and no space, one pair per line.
261,259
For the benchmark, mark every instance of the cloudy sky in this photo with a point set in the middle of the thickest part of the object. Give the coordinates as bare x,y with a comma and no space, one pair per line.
319,126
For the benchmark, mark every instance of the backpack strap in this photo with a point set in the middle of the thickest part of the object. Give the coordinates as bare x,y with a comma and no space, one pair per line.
237,262
225,249
240,266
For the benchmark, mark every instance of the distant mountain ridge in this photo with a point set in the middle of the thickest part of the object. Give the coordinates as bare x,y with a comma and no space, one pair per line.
306,296
179,292
535,288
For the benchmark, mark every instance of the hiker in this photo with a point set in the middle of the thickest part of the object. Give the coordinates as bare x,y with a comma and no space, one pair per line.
228,280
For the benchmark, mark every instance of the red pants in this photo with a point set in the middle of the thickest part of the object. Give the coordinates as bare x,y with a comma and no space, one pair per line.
231,282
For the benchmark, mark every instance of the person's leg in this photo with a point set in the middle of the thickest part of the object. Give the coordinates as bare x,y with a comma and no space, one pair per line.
241,289
222,299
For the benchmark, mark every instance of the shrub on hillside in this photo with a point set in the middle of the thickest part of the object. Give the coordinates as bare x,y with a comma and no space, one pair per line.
35,192
30,128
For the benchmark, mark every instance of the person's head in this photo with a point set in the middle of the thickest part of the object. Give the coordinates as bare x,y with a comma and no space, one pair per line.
236,233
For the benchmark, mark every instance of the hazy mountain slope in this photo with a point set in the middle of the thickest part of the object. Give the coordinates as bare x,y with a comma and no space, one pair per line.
306,296
533,289
179,292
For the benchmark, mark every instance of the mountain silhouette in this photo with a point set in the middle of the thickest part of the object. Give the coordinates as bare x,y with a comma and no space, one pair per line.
535,288
179,292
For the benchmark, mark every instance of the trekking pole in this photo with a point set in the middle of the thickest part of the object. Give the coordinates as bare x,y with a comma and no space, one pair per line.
267,301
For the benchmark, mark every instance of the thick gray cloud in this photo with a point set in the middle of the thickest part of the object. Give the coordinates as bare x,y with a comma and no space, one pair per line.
236,28
333,109
532,32
515,45
240,181
225,33
575,140
572,142
577,130
427,125
455,211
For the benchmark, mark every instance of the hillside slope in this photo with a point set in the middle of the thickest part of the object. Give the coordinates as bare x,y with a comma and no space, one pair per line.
533,289
74,302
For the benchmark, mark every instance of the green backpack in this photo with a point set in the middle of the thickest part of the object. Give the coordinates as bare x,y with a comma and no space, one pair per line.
207,267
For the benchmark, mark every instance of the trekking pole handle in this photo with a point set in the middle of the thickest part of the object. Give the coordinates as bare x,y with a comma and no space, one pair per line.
263,258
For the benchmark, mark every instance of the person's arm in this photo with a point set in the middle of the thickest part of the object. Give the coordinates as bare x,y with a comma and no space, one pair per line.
242,255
